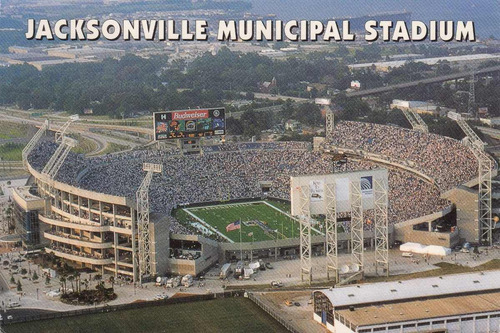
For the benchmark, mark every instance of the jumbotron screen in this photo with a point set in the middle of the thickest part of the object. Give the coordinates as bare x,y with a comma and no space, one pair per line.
189,123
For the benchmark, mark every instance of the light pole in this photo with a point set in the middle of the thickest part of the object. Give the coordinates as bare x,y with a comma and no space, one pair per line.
276,246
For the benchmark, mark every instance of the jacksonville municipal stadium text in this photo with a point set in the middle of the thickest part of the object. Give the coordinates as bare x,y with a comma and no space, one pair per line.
249,30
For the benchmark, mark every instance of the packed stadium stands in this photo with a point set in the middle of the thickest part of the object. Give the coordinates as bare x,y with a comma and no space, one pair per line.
445,160
234,171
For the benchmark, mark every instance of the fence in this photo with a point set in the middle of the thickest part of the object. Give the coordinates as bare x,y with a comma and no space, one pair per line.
273,313
121,307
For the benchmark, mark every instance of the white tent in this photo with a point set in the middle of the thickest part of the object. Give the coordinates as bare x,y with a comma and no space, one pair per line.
435,250
254,265
412,247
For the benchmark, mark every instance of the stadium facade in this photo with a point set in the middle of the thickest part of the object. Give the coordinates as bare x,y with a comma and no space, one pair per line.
90,229
87,214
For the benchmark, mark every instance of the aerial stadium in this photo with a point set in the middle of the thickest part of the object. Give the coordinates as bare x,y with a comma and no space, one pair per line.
89,211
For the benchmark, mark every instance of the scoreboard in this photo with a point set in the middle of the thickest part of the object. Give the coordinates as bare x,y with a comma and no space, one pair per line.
189,123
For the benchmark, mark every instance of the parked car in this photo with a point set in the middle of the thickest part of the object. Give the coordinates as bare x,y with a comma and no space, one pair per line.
276,284
288,303
269,266
160,297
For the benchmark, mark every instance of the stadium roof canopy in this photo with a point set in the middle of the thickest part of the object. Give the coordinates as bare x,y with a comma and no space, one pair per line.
412,289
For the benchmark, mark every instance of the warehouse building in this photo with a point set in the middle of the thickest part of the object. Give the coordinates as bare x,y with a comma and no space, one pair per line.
455,61
453,303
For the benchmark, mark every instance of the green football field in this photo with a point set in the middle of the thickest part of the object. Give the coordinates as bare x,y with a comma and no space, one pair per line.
266,220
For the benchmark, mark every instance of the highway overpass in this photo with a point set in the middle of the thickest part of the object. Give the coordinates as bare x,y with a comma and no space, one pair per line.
437,79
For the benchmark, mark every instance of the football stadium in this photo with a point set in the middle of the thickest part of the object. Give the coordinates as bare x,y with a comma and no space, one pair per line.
231,201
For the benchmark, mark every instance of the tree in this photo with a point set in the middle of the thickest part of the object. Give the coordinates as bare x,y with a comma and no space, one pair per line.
77,275
62,280
8,212
234,126
112,281
12,280
47,279
23,271
19,286
71,278
35,276
86,283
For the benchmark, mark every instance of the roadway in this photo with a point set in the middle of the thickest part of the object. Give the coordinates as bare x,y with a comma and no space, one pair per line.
101,140
379,90
494,133
274,97
84,124
437,79
274,109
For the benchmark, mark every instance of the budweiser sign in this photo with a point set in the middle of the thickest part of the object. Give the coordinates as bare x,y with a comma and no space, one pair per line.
187,115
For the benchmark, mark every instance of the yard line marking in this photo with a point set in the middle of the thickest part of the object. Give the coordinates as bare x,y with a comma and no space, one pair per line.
290,216
208,225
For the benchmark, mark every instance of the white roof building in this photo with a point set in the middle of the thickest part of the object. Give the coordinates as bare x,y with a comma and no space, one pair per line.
406,306
384,65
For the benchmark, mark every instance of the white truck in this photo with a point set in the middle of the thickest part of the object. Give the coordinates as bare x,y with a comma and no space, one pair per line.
187,280
239,269
161,281
248,273
173,282
225,271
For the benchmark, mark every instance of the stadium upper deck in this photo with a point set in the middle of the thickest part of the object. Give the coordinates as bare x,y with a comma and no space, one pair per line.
443,159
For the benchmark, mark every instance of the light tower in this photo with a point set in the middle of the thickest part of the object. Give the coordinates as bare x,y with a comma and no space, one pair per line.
142,198
34,140
57,159
52,167
471,105
305,233
62,130
381,225
330,123
332,262
324,104
357,233
485,164
416,122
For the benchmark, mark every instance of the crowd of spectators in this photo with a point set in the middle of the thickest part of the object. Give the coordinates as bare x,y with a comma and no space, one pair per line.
239,171
443,159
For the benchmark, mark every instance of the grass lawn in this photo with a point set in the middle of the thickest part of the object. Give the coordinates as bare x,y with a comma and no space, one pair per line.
221,216
445,268
84,146
10,130
232,315
113,148
11,151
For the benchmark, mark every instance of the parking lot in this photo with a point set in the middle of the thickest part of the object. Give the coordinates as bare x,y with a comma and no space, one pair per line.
34,294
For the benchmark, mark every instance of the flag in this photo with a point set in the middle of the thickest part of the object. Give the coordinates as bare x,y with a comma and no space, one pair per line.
233,226
250,234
